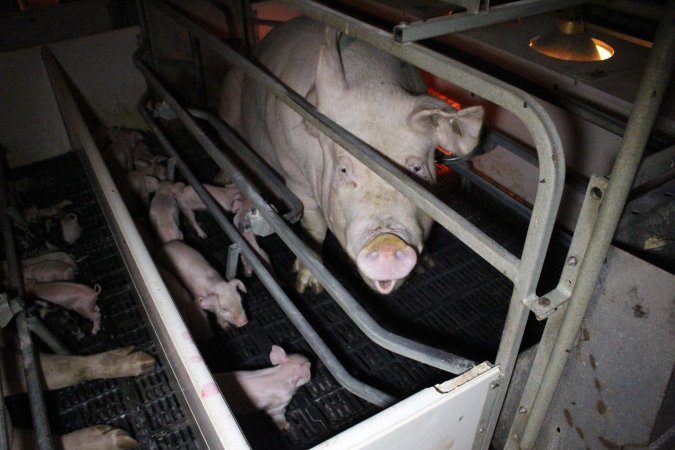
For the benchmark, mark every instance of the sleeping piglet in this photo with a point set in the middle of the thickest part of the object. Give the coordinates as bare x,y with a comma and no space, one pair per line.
268,389
76,297
49,270
207,287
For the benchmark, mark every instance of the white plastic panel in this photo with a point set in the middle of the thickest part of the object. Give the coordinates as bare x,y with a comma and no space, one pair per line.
441,417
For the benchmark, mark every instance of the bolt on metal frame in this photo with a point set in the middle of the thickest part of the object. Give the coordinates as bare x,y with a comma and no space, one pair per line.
649,96
524,272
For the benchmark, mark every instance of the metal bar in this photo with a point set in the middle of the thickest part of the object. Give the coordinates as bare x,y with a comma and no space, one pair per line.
645,108
37,326
397,344
438,26
313,339
474,238
551,180
255,164
31,365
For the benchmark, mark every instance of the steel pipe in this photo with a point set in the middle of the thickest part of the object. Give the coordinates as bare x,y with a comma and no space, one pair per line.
643,115
464,230
259,167
397,344
353,385
31,364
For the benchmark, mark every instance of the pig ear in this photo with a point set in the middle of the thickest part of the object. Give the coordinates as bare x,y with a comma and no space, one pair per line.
151,183
207,303
237,284
278,355
456,131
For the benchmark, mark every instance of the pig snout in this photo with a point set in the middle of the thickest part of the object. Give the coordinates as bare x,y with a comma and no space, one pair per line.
385,260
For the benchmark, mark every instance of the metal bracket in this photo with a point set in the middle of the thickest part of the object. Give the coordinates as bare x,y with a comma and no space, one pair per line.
9,307
544,306
475,16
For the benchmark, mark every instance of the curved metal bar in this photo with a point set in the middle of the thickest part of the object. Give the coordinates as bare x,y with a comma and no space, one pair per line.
464,230
255,163
353,385
397,344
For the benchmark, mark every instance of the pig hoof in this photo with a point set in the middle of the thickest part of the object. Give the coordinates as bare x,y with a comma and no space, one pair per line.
124,362
283,425
305,279
426,262
100,437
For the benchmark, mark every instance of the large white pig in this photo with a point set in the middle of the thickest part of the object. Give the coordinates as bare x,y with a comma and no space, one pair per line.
379,99
206,286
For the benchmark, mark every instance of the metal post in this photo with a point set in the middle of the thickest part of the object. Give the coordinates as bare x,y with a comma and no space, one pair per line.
31,364
645,108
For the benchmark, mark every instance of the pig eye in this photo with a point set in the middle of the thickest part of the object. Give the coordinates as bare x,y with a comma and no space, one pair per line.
417,167
344,171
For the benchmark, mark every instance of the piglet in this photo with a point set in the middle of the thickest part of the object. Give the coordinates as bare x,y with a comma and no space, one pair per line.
70,228
194,317
50,256
268,389
46,271
119,156
164,209
207,287
229,198
73,296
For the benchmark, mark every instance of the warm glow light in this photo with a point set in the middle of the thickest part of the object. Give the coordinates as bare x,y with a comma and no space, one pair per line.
604,50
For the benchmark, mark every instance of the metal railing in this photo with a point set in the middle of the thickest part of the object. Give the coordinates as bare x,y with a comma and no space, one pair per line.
523,272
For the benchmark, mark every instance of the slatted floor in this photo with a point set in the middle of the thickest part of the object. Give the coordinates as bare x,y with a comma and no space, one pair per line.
458,305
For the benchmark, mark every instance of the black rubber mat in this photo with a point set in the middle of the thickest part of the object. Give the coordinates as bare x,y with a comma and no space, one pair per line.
459,305
145,406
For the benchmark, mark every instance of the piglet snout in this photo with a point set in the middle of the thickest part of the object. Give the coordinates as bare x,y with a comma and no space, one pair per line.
385,259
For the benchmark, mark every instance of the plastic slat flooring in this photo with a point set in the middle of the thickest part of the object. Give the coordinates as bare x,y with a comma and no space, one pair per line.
458,305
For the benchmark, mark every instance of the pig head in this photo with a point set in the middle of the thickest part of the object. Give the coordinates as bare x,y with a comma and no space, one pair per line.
380,100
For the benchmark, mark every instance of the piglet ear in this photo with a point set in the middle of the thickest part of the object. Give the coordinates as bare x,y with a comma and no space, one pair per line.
207,303
278,355
237,284
455,131
151,183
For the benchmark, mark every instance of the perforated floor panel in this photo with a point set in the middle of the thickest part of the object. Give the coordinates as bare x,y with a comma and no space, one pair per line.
145,406
459,305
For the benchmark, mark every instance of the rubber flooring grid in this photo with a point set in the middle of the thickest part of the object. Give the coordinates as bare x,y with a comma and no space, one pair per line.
458,305
145,406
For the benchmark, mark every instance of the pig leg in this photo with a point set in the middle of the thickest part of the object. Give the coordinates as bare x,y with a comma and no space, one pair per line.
278,415
190,216
314,223
98,437
59,371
